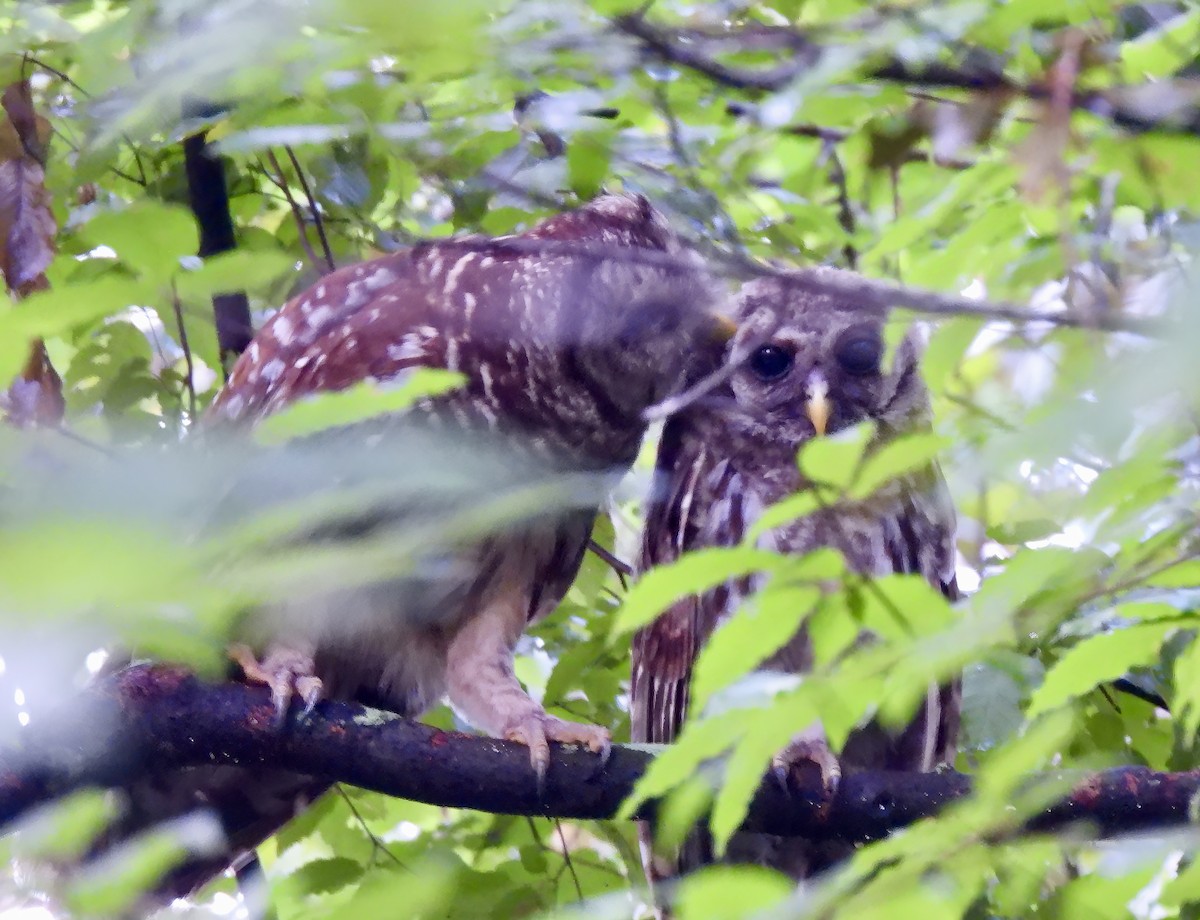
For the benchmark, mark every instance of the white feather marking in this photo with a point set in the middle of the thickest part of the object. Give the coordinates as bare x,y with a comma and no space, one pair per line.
459,267
281,329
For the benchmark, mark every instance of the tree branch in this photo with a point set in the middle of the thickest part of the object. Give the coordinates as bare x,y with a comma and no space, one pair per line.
154,717
1124,106
855,289
209,201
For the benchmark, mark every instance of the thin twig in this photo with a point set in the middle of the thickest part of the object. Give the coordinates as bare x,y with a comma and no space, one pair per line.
566,855
187,353
619,566
837,174
70,435
856,291
318,222
281,183
143,181
377,845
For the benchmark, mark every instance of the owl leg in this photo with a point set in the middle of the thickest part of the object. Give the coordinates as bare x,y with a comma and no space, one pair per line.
287,670
482,686
809,750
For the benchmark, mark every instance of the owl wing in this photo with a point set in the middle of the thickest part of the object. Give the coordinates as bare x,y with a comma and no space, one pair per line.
689,480
920,540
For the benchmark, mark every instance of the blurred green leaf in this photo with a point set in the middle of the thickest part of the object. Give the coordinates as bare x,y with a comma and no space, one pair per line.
355,404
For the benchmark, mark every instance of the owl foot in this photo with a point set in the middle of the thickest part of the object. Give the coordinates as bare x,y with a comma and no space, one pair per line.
286,671
537,729
806,753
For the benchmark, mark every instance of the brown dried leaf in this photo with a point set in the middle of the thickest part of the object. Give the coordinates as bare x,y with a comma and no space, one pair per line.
32,131
27,225
36,397
27,231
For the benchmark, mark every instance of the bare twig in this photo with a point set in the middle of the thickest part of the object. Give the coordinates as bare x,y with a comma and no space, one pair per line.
620,566
187,353
837,175
318,222
280,182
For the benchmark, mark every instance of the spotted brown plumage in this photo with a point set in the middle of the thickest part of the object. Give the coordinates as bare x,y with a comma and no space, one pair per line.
563,349
818,370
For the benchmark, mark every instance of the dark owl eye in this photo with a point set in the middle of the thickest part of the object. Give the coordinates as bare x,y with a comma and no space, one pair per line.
860,354
770,362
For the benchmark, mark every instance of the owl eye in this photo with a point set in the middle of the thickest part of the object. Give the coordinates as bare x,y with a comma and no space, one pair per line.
860,354
770,362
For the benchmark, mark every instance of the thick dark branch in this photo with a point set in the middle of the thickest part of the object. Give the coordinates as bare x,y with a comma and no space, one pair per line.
209,201
154,717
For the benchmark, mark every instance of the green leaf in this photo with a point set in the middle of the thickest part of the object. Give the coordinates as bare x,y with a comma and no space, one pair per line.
693,573
699,742
148,236
321,876
355,404
1161,51
731,892
1184,575
66,829
588,158
239,270
897,458
769,731
1096,660
761,627
53,312
784,511
833,460
1187,691
901,607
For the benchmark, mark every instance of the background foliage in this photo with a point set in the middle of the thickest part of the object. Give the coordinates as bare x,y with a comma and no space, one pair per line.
1028,152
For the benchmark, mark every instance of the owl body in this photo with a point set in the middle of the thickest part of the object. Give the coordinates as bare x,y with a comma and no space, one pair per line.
723,461
564,334
562,350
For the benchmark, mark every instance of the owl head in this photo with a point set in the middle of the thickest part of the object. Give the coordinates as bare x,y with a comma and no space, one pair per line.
642,310
817,366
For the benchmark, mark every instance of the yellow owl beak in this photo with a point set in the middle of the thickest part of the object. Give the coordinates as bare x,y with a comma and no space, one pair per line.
817,406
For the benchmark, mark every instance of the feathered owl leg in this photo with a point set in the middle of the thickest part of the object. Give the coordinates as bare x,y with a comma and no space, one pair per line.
482,686
808,750
288,669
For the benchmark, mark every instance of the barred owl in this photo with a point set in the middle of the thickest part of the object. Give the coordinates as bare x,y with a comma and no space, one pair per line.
819,370
565,335
562,350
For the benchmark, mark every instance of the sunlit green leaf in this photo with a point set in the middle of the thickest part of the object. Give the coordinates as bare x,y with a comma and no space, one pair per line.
898,458
748,637
693,573
832,461
1096,660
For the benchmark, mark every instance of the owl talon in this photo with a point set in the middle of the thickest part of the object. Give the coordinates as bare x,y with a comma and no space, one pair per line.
812,751
287,672
538,729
